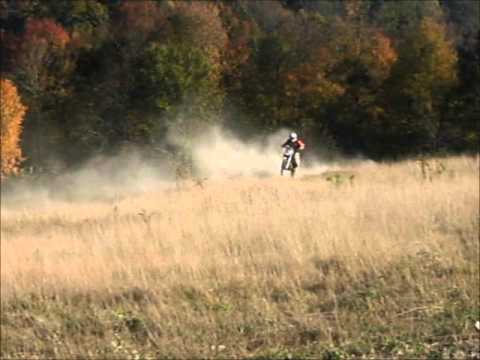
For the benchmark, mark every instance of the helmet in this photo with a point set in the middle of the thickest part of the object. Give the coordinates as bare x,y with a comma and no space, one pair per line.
293,136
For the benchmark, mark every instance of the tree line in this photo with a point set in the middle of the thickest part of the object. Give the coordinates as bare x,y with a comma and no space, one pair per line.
381,78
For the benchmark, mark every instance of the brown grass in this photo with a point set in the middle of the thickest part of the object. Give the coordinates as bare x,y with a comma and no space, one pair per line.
386,266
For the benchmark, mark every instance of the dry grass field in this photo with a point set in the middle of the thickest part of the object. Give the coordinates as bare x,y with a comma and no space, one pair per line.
383,264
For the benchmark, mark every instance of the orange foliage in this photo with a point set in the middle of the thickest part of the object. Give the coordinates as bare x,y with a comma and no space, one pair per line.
444,56
384,50
308,82
366,44
41,43
382,54
45,31
237,51
12,112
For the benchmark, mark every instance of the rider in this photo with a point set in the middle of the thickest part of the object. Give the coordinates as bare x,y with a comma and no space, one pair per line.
297,145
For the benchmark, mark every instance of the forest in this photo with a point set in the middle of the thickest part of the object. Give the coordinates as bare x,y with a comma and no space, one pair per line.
384,79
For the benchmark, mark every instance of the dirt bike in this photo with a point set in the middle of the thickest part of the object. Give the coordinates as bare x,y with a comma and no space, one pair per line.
288,162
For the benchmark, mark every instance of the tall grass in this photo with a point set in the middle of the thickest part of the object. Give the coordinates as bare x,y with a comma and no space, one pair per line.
384,266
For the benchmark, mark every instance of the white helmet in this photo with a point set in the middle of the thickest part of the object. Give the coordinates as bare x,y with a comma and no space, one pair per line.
293,136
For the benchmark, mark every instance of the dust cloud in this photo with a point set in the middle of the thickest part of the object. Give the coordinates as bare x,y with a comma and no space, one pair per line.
217,154
220,154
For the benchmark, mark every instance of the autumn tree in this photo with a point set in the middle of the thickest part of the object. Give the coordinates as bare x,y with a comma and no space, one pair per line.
198,24
240,31
379,77
41,72
348,65
42,39
12,112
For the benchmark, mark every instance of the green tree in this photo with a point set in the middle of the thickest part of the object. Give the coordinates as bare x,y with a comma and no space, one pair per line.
422,77
177,93
460,125
398,18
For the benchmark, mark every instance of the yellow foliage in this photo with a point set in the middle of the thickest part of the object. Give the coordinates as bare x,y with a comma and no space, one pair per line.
204,29
444,56
12,112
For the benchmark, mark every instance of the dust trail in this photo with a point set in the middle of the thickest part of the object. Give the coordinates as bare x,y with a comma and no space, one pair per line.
101,179
220,154
217,154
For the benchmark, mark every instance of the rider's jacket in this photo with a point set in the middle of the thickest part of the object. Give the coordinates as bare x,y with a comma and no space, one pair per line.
298,145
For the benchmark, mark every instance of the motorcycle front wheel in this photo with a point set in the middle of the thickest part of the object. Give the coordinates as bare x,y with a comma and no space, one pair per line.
282,167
